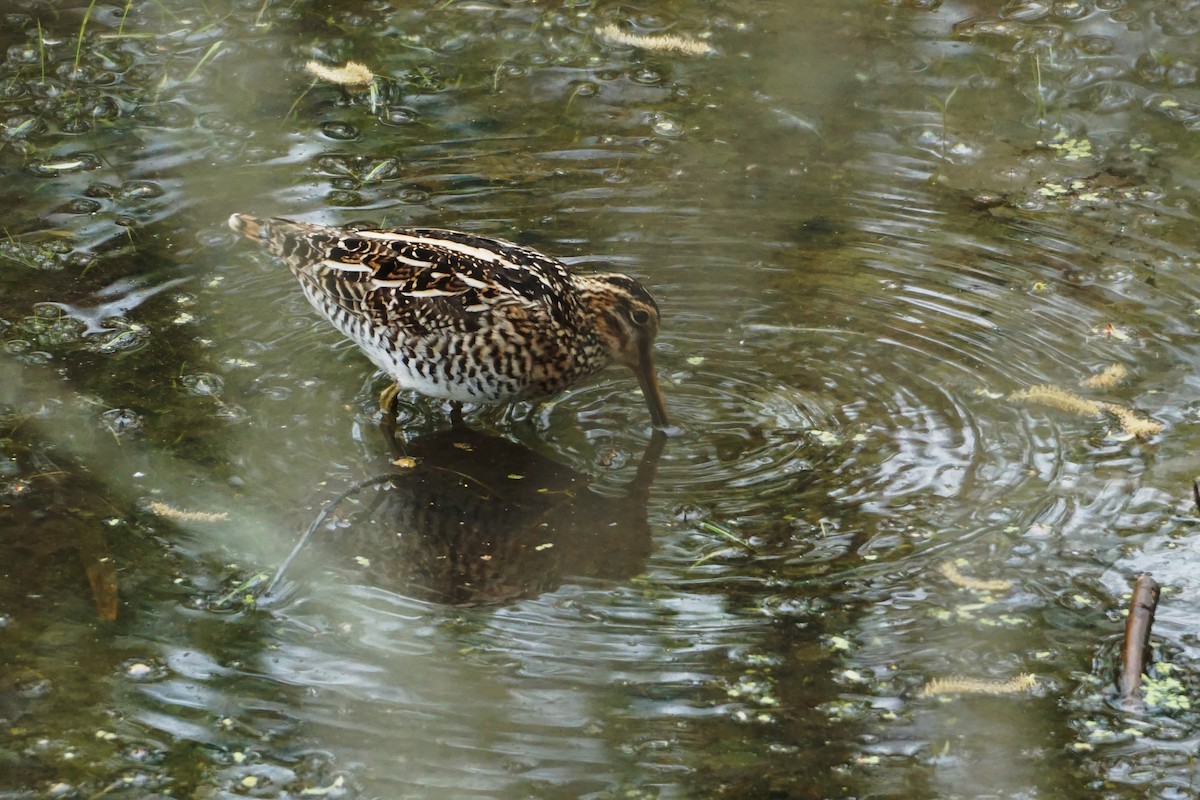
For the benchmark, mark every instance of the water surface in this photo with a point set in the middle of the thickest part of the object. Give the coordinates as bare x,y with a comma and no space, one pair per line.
867,225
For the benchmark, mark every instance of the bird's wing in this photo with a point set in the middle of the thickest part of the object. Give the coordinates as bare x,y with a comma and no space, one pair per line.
441,277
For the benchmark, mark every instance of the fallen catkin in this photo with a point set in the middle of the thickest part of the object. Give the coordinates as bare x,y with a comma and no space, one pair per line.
950,571
351,73
1131,423
961,685
170,512
688,45
1106,378
1057,397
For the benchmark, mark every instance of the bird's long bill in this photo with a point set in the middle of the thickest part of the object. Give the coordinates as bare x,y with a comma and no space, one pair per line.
649,382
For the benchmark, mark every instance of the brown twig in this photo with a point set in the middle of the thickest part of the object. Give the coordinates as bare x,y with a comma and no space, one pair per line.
1137,639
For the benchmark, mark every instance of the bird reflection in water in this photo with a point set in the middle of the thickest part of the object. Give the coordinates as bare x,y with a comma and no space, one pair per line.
479,520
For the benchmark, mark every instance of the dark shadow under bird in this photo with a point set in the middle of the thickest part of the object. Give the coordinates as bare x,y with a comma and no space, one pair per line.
479,520
468,318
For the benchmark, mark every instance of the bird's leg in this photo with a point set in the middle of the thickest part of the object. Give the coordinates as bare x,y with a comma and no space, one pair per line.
389,405
388,408
387,400
456,417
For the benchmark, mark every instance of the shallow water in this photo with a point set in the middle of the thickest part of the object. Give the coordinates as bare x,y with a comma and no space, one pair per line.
867,225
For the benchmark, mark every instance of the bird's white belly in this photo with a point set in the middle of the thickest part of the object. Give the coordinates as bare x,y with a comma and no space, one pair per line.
444,376
434,366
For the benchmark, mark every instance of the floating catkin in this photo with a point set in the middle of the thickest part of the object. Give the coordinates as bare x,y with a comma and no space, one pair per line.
960,685
958,579
1057,397
351,73
178,514
1064,400
688,45
1106,378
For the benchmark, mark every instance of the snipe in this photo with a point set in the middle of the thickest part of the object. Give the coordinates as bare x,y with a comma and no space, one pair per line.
468,318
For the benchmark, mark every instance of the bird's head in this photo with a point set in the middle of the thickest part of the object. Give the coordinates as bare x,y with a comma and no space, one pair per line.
627,324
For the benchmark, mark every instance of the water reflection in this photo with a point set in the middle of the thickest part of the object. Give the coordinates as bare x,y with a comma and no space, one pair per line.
472,519
41,551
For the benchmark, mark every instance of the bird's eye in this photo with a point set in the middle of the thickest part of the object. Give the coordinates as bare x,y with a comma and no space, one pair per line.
640,316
